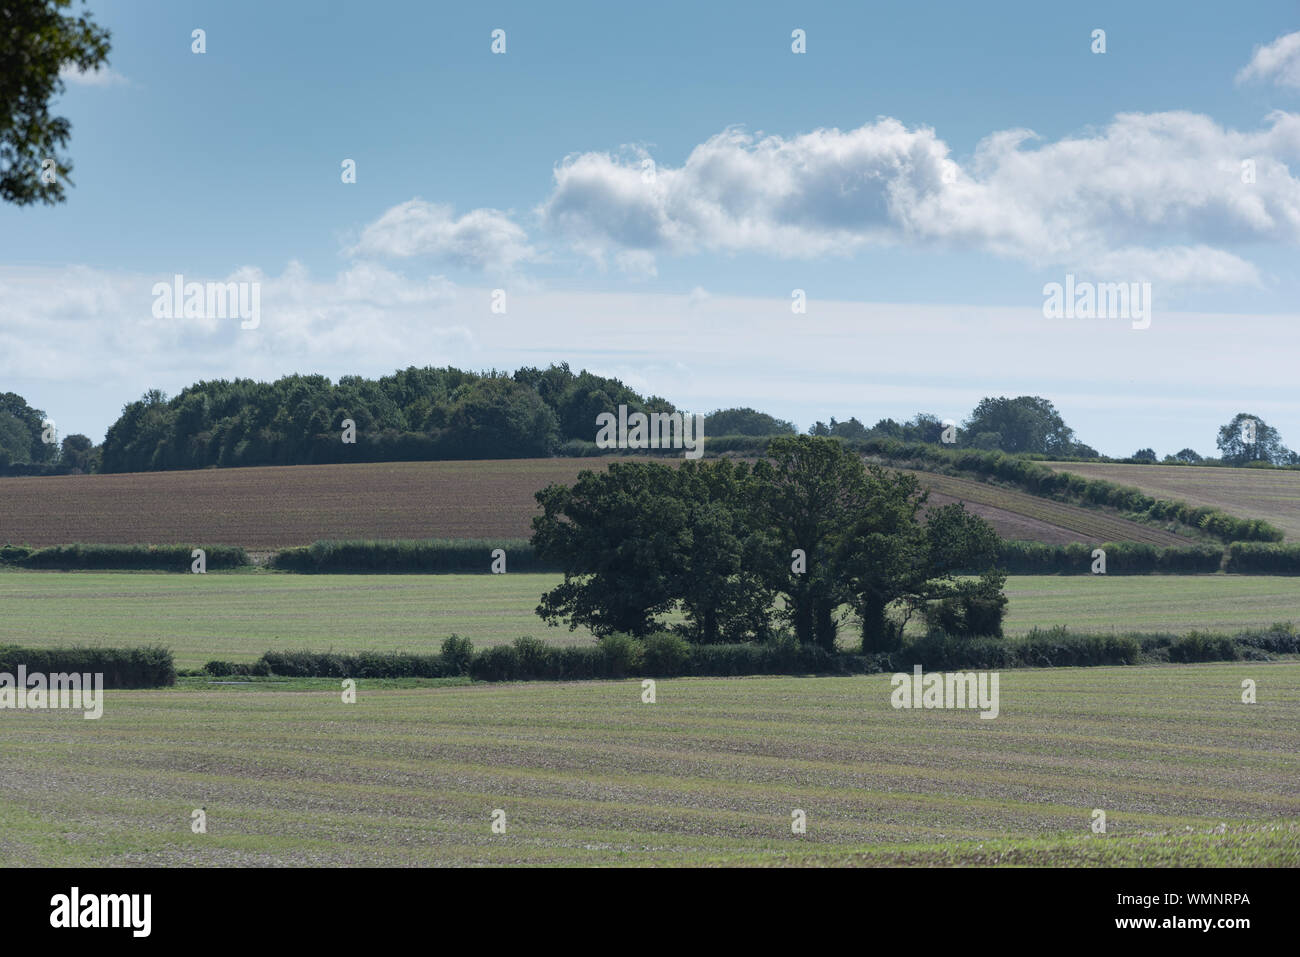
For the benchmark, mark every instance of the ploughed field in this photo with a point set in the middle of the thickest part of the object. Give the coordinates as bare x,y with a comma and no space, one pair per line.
1270,494
239,615
1019,515
275,507
585,773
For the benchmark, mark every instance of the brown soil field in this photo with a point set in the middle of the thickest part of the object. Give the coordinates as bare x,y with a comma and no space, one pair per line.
276,507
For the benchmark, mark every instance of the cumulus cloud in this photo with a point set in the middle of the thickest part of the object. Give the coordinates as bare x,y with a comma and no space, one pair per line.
104,76
79,324
1161,192
1277,62
480,239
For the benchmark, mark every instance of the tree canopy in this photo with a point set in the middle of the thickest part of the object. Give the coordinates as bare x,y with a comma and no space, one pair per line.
38,38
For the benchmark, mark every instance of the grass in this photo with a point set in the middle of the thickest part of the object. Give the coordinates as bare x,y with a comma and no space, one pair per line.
587,774
238,616
1273,495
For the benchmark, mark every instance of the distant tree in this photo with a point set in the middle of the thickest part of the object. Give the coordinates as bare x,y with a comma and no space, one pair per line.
499,418
852,429
1247,438
1190,456
1145,455
1023,424
77,453
22,433
744,422
37,40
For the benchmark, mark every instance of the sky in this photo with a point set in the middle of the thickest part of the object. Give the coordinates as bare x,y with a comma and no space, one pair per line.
643,191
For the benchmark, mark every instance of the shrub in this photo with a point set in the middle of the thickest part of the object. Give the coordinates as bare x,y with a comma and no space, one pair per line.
968,615
457,655
665,654
622,654
535,658
1263,559
167,558
439,555
1198,646
148,666
498,663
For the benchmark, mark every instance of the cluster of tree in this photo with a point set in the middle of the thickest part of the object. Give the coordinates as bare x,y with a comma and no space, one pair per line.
429,414
415,413
29,443
811,525
1246,440
1027,424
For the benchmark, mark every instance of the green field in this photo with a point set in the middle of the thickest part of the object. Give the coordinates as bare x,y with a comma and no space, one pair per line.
710,773
238,616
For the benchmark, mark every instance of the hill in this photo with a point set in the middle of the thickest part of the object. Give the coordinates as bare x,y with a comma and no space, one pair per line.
1270,494
273,507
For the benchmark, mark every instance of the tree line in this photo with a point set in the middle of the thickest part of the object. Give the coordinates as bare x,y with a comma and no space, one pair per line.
743,550
419,414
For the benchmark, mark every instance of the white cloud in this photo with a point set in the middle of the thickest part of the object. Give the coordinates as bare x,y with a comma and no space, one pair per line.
1277,62
1157,193
104,76
481,239
79,343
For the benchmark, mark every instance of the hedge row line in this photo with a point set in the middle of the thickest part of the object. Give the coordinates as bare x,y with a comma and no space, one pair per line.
1068,487
668,655
617,656
432,555
149,666
475,555
1122,558
1037,479
166,558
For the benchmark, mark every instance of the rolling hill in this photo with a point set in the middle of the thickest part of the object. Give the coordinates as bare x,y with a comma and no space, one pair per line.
1270,494
276,507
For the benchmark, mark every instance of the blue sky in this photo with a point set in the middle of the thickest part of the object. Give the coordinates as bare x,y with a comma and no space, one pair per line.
774,171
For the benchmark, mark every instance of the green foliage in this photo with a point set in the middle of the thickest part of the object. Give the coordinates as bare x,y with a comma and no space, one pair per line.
439,555
1199,646
39,39
167,558
1258,558
457,655
665,654
1248,439
411,415
1024,424
21,430
744,422
150,666
1122,558
622,654
721,541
